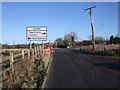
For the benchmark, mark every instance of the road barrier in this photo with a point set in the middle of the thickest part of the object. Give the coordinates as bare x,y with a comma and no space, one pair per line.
47,51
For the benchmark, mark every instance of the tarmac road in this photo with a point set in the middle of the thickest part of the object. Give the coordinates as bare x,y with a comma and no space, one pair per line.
72,69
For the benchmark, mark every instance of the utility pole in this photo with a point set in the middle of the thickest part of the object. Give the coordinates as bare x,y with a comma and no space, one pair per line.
92,26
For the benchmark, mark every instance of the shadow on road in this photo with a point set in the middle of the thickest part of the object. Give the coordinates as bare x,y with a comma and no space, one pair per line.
113,66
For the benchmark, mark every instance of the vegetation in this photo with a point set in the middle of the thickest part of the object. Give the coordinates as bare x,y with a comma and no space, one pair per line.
34,78
69,39
30,76
99,40
109,52
114,40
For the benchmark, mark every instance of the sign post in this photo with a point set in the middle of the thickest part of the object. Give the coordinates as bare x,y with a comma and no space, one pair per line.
43,47
30,47
37,33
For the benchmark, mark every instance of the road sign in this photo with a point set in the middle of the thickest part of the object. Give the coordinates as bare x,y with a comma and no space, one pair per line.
37,33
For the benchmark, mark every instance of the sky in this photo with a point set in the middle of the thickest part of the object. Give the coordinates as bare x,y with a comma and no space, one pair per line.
59,0
119,19
60,18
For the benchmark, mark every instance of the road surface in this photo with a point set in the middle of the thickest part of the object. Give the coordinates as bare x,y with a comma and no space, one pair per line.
73,69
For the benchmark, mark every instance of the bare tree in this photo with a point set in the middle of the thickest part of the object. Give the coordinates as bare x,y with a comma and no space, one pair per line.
59,40
99,40
89,37
71,37
67,38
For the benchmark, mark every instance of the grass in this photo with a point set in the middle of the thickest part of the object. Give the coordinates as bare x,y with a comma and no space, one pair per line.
28,78
101,53
38,75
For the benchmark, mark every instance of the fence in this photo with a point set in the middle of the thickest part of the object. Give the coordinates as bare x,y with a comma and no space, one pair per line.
108,49
16,63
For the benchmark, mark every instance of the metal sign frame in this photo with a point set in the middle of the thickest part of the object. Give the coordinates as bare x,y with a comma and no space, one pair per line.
36,30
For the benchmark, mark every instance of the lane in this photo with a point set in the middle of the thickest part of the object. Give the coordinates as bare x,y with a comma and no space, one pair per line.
98,71
63,74
71,69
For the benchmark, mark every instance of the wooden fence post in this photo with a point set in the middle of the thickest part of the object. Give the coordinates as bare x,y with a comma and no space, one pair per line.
11,64
11,60
105,49
28,54
22,54
35,50
40,49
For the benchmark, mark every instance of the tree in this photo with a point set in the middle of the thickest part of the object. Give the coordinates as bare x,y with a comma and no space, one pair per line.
116,40
67,38
112,39
73,36
89,37
99,40
58,40
70,38
59,43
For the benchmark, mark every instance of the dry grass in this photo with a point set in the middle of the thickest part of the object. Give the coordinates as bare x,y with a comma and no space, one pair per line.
103,50
26,74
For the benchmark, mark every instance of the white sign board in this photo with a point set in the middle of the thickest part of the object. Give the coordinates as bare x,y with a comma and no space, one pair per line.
37,33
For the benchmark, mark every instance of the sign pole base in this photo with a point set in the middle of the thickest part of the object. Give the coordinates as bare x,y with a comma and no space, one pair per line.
30,48
43,47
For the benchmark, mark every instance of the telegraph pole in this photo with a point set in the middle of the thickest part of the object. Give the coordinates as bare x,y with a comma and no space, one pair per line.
92,26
